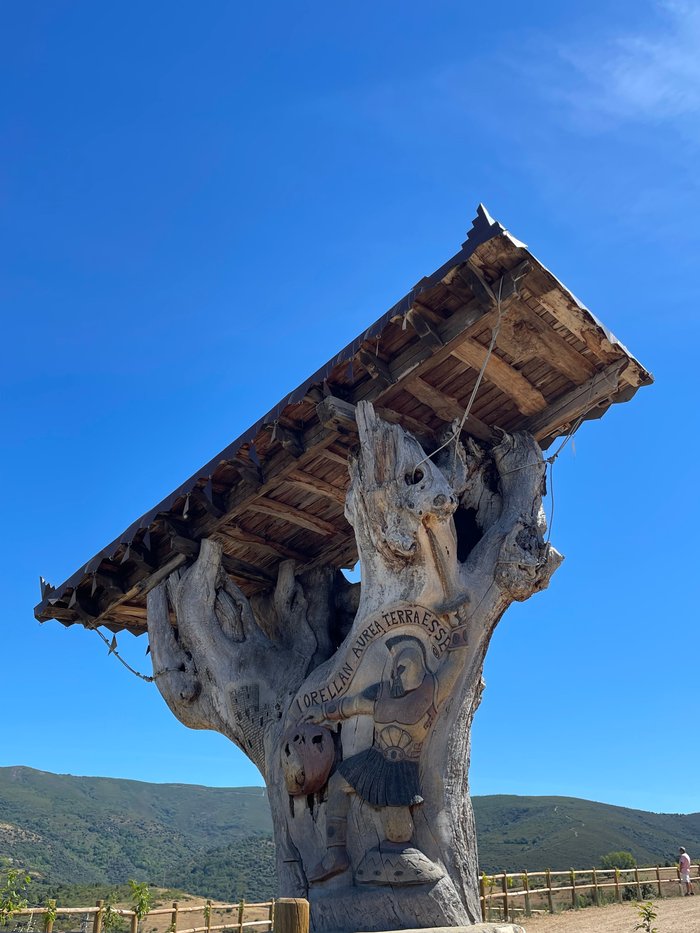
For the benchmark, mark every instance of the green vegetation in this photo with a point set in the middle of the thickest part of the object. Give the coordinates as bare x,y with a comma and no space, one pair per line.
13,892
618,860
647,915
80,837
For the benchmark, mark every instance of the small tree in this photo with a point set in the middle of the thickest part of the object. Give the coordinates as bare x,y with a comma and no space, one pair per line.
14,883
618,860
646,915
141,899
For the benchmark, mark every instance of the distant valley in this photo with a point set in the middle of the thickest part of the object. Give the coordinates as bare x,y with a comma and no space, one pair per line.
217,842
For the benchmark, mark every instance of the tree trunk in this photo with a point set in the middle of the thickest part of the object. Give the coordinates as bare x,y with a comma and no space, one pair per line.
356,701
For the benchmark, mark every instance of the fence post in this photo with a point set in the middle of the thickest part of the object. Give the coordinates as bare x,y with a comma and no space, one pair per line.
97,918
574,901
48,926
291,915
173,917
482,892
241,910
658,880
596,892
549,891
271,914
618,895
207,914
526,885
636,878
134,923
505,895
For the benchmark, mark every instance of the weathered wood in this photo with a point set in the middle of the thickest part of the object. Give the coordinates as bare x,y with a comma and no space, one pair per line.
398,843
244,538
293,516
528,399
317,486
97,917
291,915
335,413
526,336
445,406
576,403
550,900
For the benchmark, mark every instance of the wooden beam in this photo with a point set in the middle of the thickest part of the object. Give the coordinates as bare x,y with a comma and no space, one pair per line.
242,570
526,336
287,513
526,397
290,439
334,456
318,486
572,405
241,537
376,367
445,406
337,414
423,327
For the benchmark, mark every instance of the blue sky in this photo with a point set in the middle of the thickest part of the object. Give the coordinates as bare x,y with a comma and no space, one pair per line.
203,202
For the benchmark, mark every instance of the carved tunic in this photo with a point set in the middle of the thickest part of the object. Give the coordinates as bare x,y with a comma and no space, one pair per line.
386,775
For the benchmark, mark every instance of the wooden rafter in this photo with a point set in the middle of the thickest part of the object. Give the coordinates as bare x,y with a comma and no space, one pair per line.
526,397
287,513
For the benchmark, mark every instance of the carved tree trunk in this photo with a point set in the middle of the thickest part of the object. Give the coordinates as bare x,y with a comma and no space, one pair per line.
356,702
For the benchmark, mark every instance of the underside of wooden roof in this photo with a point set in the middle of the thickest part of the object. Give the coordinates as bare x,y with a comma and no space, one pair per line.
278,491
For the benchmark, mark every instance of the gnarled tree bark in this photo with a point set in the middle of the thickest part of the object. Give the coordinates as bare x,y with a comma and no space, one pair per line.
356,701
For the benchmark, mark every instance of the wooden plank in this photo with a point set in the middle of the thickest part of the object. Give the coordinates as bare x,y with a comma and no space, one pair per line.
316,485
527,398
572,405
526,336
294,516
243,538
446,407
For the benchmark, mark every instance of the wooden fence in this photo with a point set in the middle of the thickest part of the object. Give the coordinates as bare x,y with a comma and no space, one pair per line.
509,894
45,918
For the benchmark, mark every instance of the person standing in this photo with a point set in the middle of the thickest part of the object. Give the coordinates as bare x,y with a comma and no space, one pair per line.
684,868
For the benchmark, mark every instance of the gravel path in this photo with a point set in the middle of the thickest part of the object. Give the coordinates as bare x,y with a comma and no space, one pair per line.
675,915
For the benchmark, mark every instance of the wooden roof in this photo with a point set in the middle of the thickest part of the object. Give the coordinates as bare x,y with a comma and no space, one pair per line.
277,492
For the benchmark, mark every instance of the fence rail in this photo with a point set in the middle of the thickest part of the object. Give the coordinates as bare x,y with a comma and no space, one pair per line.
498,893
93,917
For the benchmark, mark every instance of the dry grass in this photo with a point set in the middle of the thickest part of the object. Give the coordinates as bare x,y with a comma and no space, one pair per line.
675,915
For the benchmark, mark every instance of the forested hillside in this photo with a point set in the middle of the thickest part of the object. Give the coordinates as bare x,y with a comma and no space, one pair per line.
217,842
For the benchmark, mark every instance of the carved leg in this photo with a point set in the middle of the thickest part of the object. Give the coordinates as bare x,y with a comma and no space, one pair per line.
398,824
336,858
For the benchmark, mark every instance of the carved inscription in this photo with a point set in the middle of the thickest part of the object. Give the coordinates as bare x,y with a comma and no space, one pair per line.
430,625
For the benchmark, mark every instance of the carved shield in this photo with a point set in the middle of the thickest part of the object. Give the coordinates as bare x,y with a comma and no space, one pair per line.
308,754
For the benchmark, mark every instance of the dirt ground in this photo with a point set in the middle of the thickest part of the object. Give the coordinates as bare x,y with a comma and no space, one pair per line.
675,915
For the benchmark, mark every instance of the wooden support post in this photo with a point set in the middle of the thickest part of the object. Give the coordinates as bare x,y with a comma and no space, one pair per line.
207,915
482,892
241,911
291,915
574,899
97,917
596,892
134,923
618,893
173,918
658,880
636,878
505,895
48,926
549,891
526,885
271,914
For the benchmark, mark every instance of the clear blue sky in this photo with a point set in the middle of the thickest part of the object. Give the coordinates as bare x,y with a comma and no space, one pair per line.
203,202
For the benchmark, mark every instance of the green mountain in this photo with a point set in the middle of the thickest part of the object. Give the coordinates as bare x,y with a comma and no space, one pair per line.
217,842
